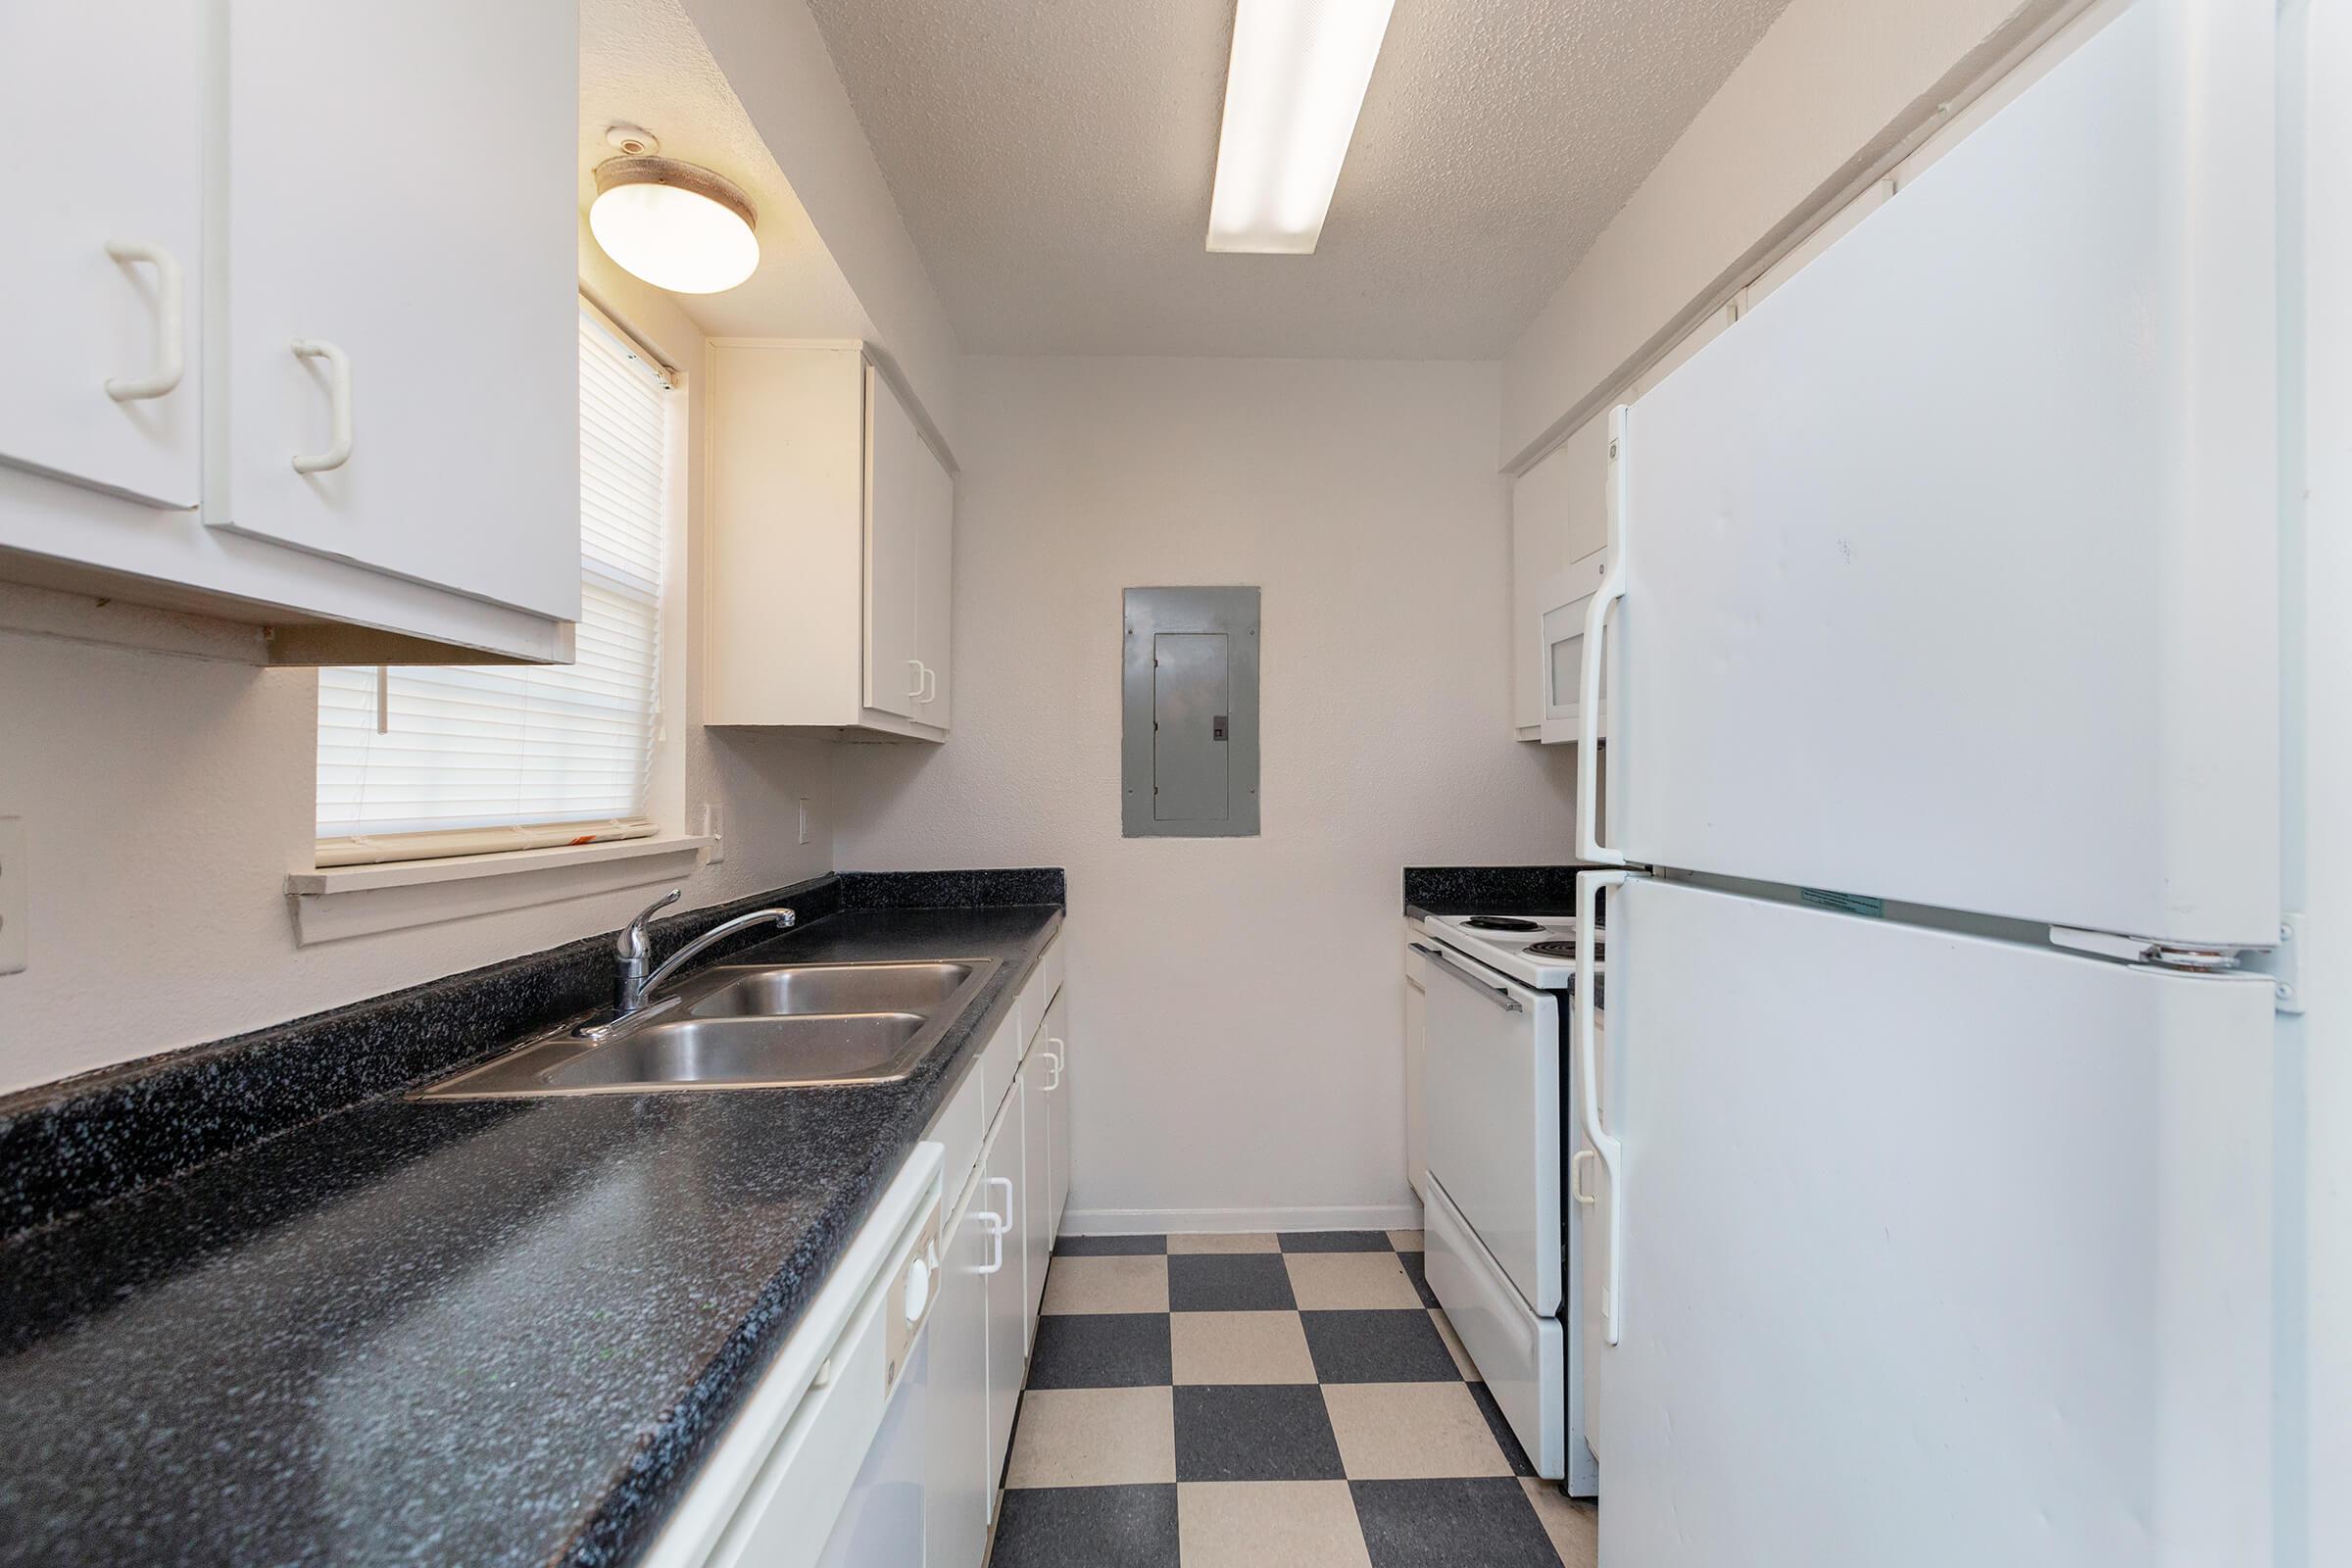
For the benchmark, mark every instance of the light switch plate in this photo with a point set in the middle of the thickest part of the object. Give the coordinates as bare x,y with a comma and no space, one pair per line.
14,904
804,820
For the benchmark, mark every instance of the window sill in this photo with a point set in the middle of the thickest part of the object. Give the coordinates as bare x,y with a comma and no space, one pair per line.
353,900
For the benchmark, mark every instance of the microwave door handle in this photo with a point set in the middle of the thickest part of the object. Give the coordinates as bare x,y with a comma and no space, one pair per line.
1500,996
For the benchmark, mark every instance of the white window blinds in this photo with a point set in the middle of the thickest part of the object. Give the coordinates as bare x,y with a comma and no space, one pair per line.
455,760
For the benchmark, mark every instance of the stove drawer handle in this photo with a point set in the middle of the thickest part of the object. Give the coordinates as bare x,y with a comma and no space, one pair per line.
1500,996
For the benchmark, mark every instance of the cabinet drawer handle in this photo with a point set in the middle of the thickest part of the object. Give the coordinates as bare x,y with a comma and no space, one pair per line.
1054,1056
171,334
338,368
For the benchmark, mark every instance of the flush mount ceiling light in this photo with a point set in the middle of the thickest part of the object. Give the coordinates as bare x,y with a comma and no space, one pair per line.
1292,91
677,227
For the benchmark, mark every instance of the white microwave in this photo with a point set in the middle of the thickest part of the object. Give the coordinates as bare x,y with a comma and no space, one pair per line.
1561,603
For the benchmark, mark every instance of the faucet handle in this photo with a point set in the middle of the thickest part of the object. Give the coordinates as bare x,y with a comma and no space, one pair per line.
632,942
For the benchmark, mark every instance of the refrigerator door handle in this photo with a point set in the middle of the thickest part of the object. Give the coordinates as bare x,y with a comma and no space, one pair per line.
1587,1084
1597,620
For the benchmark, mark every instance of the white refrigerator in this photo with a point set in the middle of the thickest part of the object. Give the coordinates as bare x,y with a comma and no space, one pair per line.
1935,1109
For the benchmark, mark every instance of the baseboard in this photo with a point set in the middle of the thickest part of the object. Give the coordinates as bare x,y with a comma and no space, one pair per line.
1226,1221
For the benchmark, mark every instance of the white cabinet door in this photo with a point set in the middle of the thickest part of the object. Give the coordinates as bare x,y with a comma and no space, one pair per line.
1037,1142
1008,1302
1950,570
1056,1064
1935,1250
108,96
896,460
936,606
1416,1052
401,190
956,1480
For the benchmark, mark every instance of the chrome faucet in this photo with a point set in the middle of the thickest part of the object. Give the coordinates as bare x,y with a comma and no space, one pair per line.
633,948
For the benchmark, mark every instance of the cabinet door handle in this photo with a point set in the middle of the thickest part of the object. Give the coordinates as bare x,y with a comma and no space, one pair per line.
1054,1056
170,332
338,376
998,1225
915,680
930,684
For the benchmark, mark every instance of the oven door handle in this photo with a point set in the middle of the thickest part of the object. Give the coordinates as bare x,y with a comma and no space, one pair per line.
1499,995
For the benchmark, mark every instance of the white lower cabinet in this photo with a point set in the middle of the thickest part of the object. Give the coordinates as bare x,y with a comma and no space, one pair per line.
1416,1054
1052,1052
957,1482
880,1437
1037,1195
1007,1296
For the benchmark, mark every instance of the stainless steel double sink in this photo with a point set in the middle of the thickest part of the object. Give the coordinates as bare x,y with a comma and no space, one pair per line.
746,1026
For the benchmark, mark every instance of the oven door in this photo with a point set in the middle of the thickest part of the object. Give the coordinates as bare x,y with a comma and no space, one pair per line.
1492,1076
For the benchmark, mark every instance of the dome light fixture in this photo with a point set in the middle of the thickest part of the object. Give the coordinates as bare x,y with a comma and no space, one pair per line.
678,226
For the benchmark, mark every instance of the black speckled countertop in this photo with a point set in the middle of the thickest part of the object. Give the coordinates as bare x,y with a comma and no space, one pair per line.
455,1332
1490,889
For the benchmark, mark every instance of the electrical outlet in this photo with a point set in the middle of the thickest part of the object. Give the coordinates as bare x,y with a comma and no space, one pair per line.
804,820
714,828
12,900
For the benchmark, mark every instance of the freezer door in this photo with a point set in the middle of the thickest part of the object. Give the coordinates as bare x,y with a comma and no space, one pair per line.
1935,1250
1949,571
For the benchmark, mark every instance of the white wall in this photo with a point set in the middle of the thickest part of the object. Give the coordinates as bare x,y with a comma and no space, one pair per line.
1832,90
168,793
1238,1002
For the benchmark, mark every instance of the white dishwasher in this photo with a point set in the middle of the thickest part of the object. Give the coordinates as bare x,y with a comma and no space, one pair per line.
823,1466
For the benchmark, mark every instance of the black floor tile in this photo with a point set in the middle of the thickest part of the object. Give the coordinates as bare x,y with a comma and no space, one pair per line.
1110,1245
1378,1346
1335,1242
1087,1527
1501,1426
1270,1432
1100,1350
1228,1281
1416,1271
1487,1523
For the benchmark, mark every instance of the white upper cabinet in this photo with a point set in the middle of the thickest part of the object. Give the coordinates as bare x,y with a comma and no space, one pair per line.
289,299
401,326
832,544
895,462
101,257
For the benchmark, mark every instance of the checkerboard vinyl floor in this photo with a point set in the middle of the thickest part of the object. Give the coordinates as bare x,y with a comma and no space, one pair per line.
1265,1402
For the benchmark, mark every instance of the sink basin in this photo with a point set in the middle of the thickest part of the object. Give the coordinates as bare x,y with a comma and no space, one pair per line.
846,1048
785,991
746,1026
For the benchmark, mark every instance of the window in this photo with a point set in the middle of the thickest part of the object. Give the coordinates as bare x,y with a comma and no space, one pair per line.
415,762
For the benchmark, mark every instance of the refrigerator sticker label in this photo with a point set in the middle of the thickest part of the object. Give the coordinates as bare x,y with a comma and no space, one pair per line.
1845,902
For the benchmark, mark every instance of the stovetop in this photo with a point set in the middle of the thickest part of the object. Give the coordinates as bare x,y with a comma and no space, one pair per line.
1537,950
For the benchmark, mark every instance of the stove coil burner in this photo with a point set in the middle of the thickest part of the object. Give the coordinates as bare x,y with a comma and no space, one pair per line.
1557,950
1501,923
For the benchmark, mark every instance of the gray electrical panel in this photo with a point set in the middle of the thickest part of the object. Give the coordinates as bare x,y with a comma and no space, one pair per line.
1188,755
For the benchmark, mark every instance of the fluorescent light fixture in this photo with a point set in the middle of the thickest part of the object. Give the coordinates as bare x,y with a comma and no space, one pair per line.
1292,93
677,227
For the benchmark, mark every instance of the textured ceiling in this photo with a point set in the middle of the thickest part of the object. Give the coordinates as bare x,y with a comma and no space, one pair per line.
1052,159
644,63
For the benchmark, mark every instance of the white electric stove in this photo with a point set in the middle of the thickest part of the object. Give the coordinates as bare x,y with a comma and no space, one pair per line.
1503,1135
